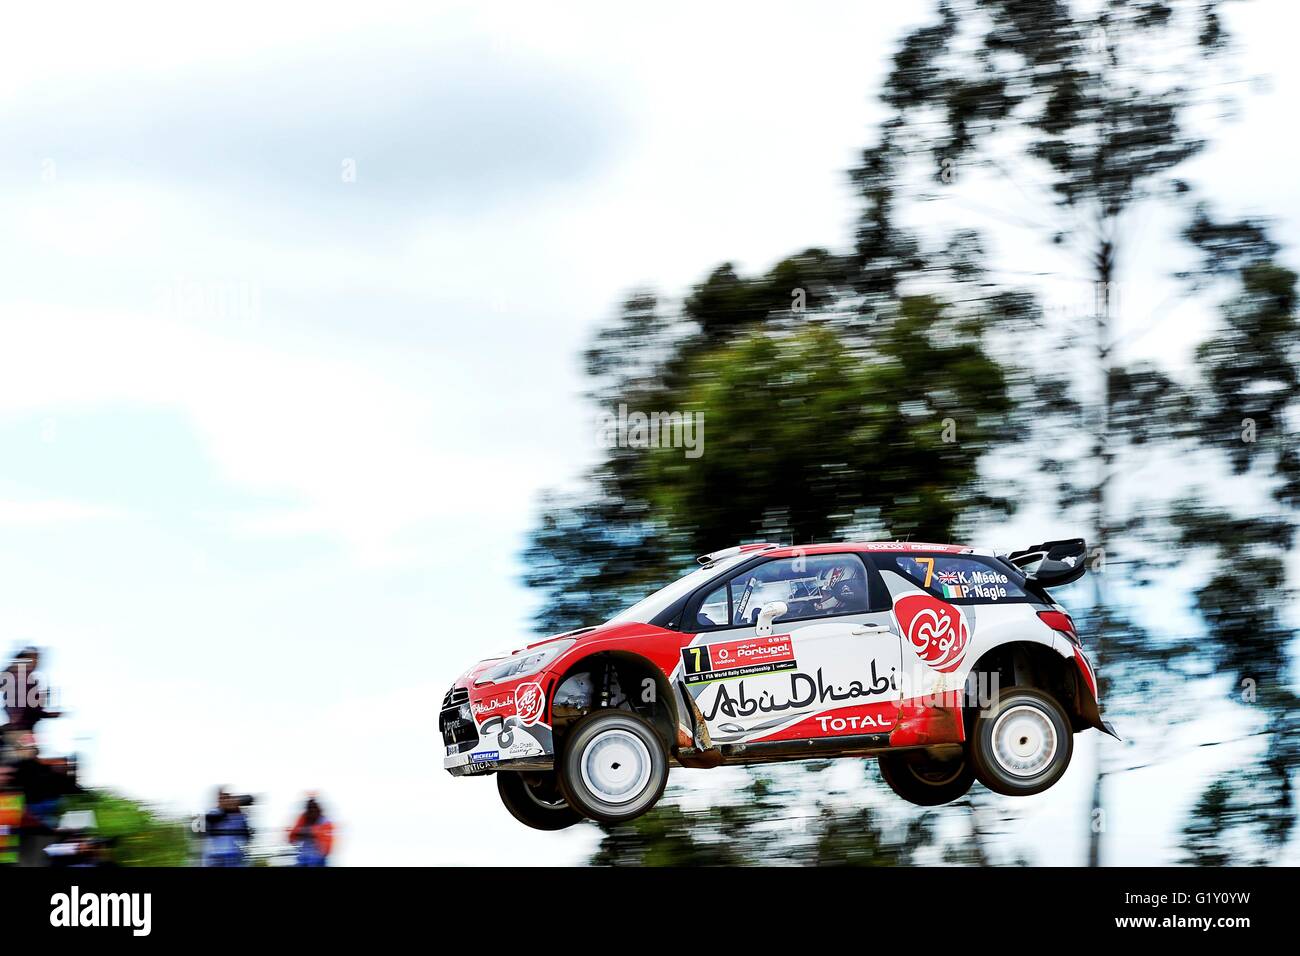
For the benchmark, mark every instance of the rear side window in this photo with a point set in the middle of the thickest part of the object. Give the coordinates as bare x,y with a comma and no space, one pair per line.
961,579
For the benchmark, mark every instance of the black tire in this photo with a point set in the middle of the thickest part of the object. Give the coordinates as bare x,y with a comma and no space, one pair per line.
926,781
622,749
1044,734
534,799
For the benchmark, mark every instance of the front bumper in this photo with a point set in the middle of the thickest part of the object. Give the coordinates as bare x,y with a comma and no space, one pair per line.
484,730
488,761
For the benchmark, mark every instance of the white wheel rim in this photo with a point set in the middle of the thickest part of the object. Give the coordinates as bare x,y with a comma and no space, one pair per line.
616,766
1024,741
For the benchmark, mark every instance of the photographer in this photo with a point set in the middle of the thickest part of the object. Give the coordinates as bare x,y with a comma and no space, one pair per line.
312,835
226,831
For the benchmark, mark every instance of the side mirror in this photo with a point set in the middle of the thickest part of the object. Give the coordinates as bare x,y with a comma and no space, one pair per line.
768,614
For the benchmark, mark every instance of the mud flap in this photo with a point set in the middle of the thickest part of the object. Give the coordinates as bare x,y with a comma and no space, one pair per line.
1087,705
1089,709
705,754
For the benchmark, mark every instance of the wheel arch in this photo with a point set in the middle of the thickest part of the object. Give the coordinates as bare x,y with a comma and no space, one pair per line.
1032,664
583,685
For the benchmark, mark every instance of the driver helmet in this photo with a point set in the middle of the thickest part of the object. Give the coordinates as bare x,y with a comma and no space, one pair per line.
841,585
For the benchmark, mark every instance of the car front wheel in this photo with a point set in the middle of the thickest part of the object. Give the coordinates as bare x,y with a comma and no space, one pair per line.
534,799
927,781
613,766
1022,745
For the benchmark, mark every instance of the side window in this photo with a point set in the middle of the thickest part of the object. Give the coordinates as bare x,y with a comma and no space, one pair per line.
819,586
959,577
714,610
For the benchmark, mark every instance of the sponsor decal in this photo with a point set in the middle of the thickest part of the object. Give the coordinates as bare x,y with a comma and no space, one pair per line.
485,756
500,704
804,691
984,583
530,703
526,701
915,546
753,655
833,723
524,748
974,581
743,603
937,632
878,718
928,564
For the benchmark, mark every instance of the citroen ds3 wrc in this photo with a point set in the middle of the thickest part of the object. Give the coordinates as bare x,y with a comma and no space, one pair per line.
948,664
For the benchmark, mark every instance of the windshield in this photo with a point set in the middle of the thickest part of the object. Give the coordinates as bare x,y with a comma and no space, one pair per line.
647,609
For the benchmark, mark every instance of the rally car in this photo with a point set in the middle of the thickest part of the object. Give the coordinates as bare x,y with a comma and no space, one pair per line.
949,664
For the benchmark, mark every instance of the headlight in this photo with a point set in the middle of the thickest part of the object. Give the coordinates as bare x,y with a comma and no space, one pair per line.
523,663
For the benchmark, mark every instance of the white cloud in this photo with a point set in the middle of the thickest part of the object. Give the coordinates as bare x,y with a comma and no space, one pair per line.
16,513
365,451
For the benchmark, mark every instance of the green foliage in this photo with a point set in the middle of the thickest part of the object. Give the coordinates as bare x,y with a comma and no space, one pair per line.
1244,412
138,836
807,427
1083,87
1202,836
813,426
1251,375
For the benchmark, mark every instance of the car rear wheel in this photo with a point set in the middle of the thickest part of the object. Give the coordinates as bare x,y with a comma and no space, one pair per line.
1023,744
927,781
535,800
613,766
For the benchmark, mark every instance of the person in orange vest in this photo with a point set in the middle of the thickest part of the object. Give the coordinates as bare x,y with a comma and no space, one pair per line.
313,835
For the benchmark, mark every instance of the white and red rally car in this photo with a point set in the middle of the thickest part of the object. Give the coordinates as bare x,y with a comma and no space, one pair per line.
947,663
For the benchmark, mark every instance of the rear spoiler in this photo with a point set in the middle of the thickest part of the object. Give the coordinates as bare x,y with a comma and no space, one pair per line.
1053,563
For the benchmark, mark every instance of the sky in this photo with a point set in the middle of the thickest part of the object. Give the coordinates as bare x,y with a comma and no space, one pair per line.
292,300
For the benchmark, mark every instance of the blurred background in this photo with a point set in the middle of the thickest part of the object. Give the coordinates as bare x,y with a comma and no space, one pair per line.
308,318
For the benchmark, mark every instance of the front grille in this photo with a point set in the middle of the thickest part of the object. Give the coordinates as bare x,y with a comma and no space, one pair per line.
456,722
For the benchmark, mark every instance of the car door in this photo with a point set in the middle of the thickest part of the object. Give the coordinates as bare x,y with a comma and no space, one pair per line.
828,668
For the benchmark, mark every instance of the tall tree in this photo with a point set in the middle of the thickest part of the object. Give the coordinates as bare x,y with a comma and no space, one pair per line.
1245,411
817,422
1093,99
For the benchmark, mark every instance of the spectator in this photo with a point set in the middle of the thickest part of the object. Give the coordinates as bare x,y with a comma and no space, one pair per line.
11,817
312,835
25,698
226,831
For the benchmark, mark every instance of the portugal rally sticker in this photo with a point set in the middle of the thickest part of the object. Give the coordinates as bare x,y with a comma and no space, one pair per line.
753,655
